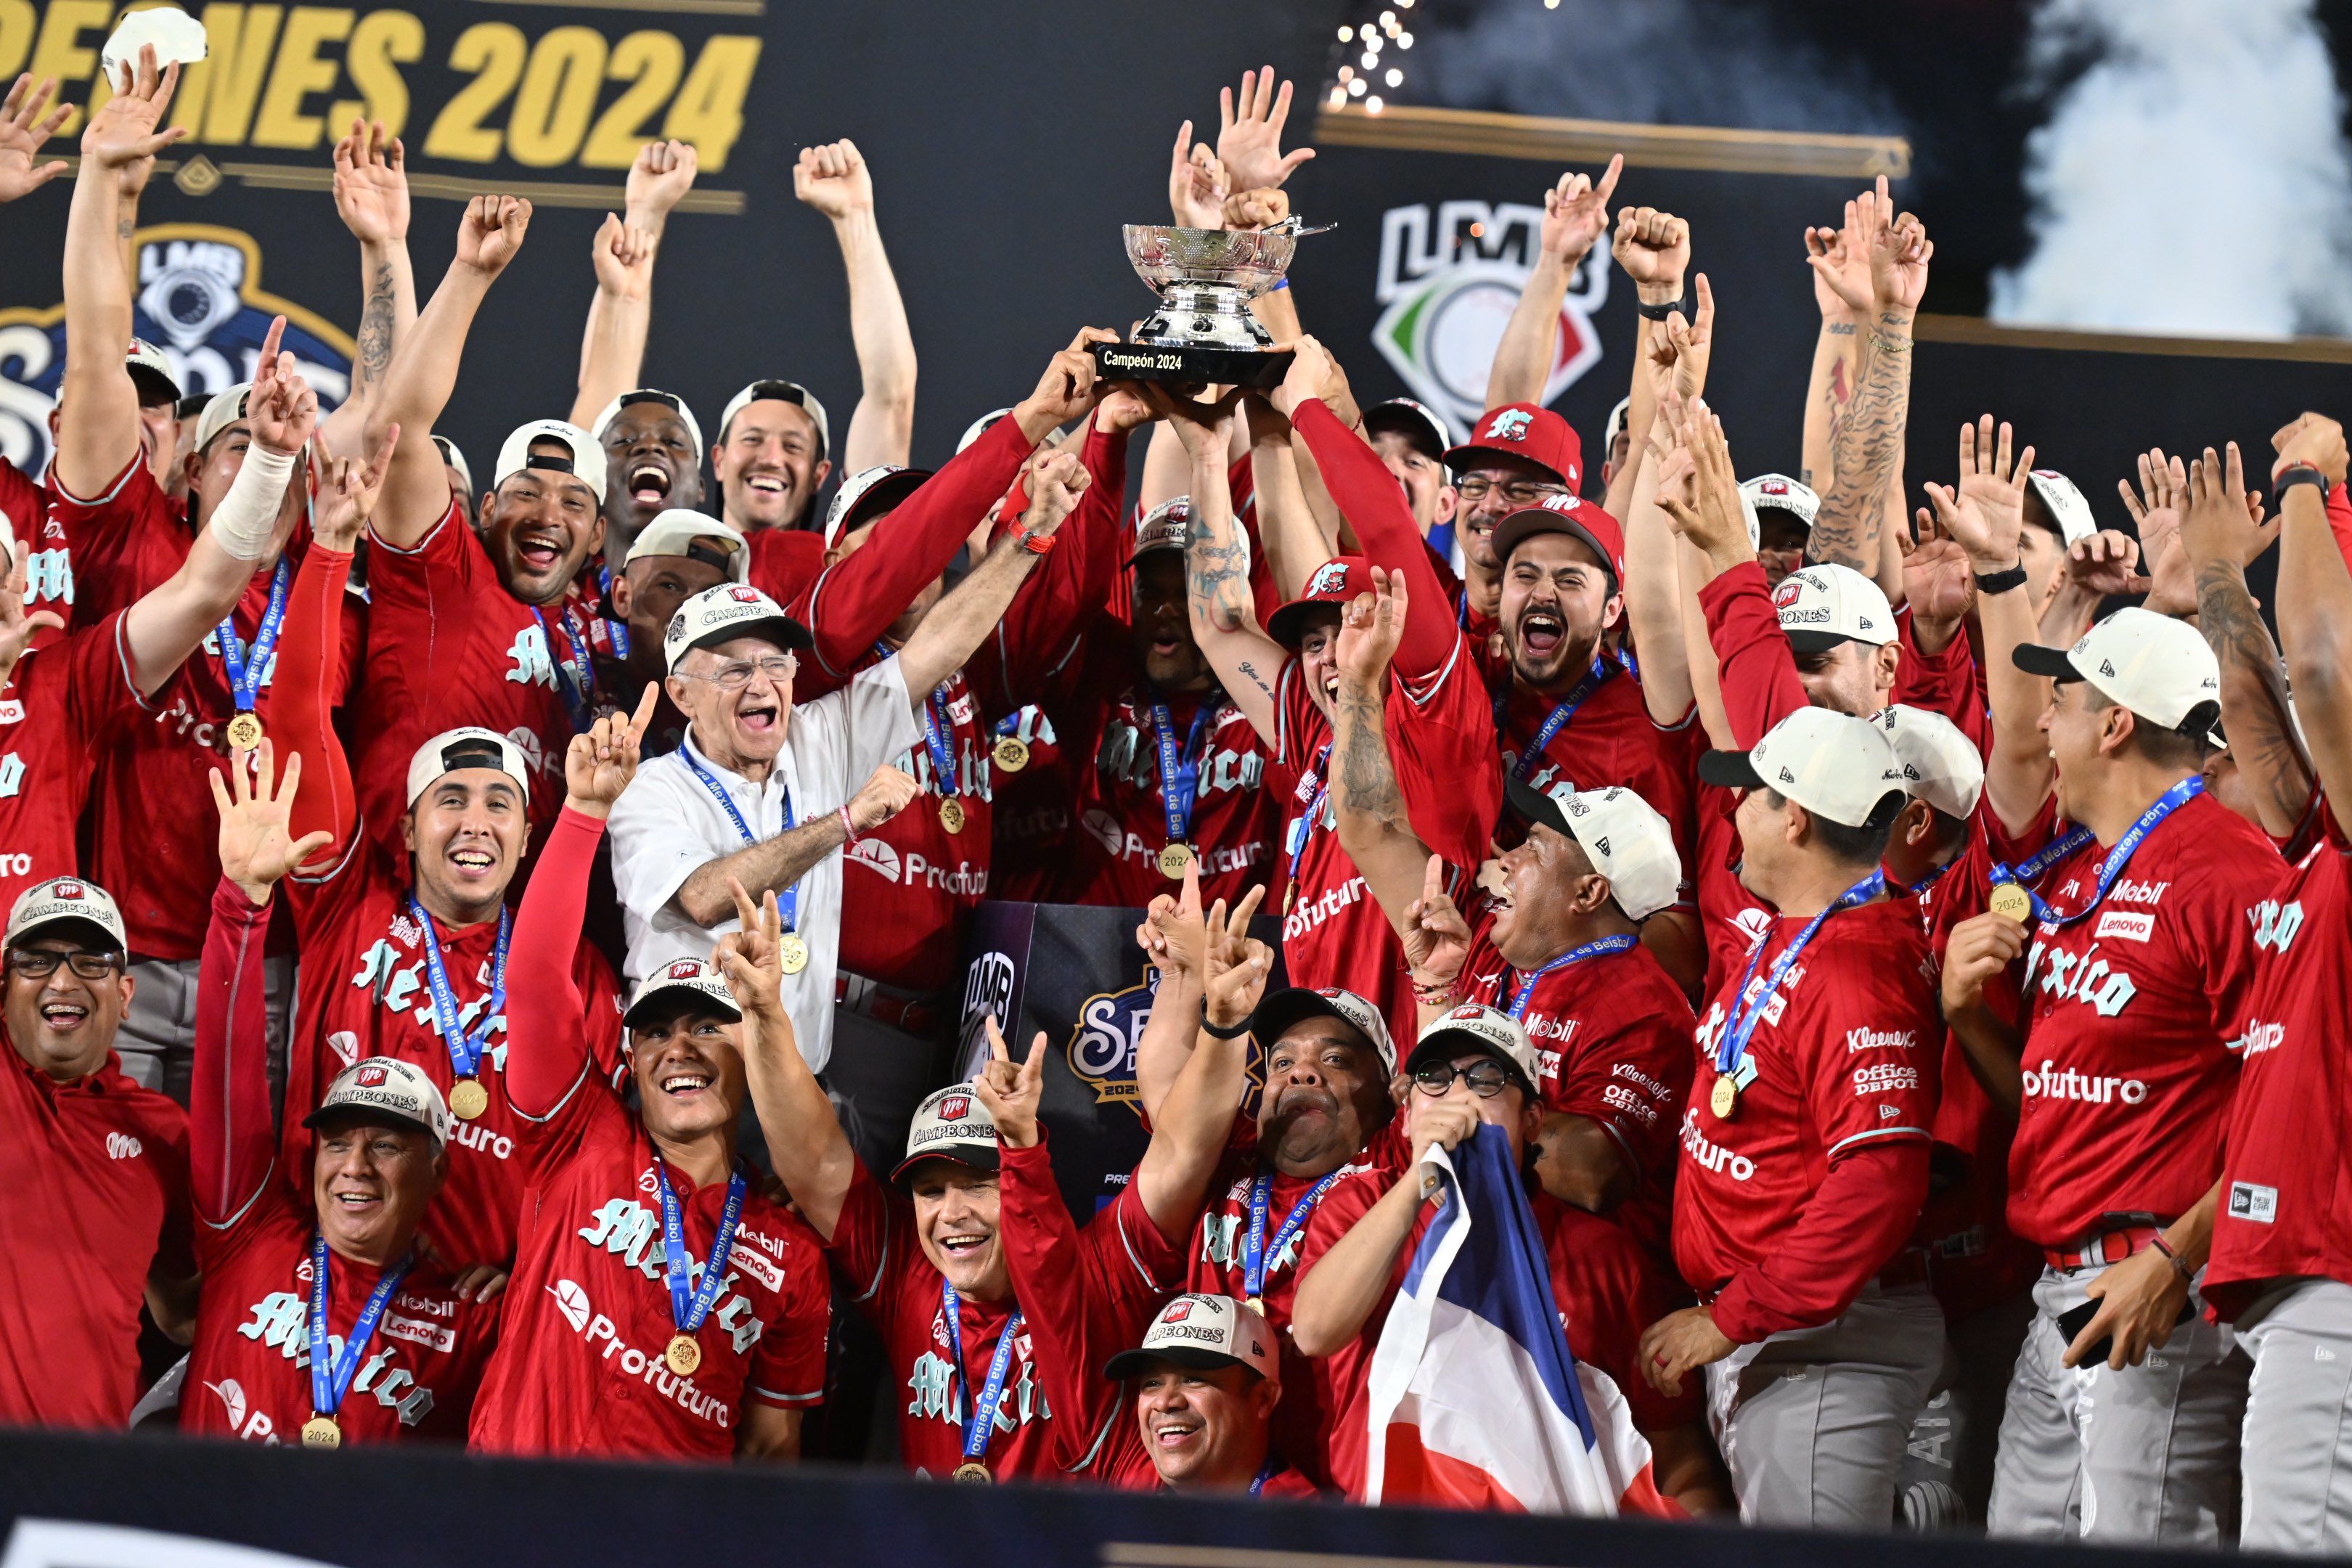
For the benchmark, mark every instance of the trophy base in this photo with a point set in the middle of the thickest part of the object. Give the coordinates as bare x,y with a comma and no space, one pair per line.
1194,365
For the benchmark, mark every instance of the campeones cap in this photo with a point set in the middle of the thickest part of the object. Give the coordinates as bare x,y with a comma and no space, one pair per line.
471,747
1471,1028
722,614
385,1089
1278,1012
149,371
1940,766
697,536
791,392
1526,430
1203,1332
1621,833
586,462
1821,606
1168,526
1832,764
684,984
2068,507
2160,669
950,1125
64,902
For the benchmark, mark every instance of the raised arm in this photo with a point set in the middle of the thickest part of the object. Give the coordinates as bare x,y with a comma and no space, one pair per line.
1222,610
370,185
812,1155
22,128
1195,1121
1295,543
958,624
612,345
2315,593
2220,534
1340,1289
1869,441
777,863
1840,262
835,180
1368,804
1654,249
1674,374
1576,213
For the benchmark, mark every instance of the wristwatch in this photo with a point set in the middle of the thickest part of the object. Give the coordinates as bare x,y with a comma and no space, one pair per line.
2300,474
1659,313
2001,581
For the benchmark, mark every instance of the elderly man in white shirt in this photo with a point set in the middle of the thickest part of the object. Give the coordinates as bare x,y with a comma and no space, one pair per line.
762,790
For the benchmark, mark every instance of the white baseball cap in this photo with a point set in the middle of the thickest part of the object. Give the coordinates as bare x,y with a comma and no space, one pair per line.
149,371
1473,1027
1779,491
1278,1012
68,902
1821,606
178,37
2067,504
455,459
669,400
224,410
1205,1332
385,1088
2159,667
1940,766
688,981
1168,526
979,427
866,491
722,614
950,1125
585,464
697,536
791,392
470,746
1617,417
1621,833
1428,432
1831,763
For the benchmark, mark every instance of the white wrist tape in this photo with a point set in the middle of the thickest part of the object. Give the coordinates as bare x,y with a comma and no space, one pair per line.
248,516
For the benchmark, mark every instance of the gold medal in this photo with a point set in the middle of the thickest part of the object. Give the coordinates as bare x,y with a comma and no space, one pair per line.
1174,859
468,1098
2012,901
1724,1100
683,1355
951,814
1257,1306
1289,897
1011,754
973,1473
321,1432
792,951
245,734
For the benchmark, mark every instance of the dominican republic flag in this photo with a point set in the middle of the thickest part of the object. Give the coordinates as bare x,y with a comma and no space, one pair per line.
1475,1401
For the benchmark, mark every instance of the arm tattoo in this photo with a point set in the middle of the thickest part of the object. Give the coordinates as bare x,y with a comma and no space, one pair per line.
375,331
2254,692
1366,779
1863,451
1219,580
1246,668
125,227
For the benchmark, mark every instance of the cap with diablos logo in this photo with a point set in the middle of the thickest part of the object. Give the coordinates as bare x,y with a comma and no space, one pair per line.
68,907
1821,606
1621,833
681,986
1940,766
868,493
950,1125
1336,582
1471,1028
384,1088
1527,430
1203,1332
1577,518
2159,667
584,461
721,614
695,536
1284,1008
1831,763
1776,492
469,747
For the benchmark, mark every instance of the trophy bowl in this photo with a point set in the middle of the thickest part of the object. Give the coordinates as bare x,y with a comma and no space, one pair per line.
1204,334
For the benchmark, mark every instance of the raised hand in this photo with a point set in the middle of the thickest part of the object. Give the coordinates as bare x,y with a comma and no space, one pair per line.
372,185
1937,579
1055,481
886,793
257,850
348,493
662,175
1899,251
1369,629
1011,1092
16,627
491,232
23,129
1652,248
1197,182
833,178
1576,213
752,957
1070,386
123,130
2313,439
2164,491
1256,209
600,760
1841,268
281,409
1249,139
1206,429
1984,515
1235,981
1311,370
1174,933
2223,519
1436,938
622,253
2106,562
1683,349
1708,512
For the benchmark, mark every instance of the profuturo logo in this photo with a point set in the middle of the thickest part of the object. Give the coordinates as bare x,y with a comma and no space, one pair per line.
1450,277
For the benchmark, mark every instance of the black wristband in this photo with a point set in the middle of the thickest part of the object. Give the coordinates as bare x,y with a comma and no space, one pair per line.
1214,1033
2001,581
2300,474
1659,312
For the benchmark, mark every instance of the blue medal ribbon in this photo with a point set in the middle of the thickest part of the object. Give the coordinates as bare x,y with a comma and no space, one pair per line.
246,666
1265,1473
1618,944
1934,876
1180,772
575,679
689,1307
938,733
2110,868
788,901
466,1045
1731,1051
1565,710
980,1419
1257,1253
331,1375
1305,829
614,627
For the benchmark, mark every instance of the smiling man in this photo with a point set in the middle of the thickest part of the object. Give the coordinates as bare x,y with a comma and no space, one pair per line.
653,457
1204,1386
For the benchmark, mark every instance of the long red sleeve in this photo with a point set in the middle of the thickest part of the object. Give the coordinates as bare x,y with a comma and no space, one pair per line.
1943,683
1854,1222
1759,673
2339,519
854,600
1373,502
1042,1260
230,1137
546,1044
302,699
1049,615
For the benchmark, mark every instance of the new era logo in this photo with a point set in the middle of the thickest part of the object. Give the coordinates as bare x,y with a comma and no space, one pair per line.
955,1108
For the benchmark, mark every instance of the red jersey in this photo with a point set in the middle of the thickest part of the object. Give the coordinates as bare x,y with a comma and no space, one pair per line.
1845,1055
1235,823
369,992
41,539
2286,1205
128,538
60,710
93,1186
1093,1289
785,561
1603,1286
1032,809
2131,1017
589,1313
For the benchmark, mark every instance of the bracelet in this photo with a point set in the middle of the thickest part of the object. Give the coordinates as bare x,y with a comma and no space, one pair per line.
2300,474
1216,1033
1892,345
848,831
2158,1242
1659,313
2001,581
1038,543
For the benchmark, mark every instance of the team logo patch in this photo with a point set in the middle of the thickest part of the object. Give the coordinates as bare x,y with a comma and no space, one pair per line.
1177,1312
1563,502
371,1078
955,1108
1509,424
744,595
687,969
1786,594
1330,578
1773,487
1101,1049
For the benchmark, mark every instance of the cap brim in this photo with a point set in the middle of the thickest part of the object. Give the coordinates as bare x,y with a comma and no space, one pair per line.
1456,457
1729,770
1817,642
1426,438
1536,807
978,1156
887,491
2036,658
1530,522
371,1113
1280,1011
155,387
669,1001
1286,624
80,927
1447,1044
1135,1362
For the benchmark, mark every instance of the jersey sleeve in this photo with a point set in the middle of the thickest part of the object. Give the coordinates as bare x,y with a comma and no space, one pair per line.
788,1365
1369,497
869,1242
1944,683
449,550
1350,1200
231,1142
1872,1038
100,690
1759,673
1049,616
546,1053
2219,928
1080,1307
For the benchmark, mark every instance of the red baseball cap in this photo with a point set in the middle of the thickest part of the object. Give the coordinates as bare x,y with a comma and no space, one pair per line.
1570,514
1336,582
1526,430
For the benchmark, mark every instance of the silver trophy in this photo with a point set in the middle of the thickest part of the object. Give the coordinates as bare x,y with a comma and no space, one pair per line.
1204,332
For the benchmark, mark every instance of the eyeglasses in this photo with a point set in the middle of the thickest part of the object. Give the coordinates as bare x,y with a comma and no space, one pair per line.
1487,1080
736,675
1518,492
39,964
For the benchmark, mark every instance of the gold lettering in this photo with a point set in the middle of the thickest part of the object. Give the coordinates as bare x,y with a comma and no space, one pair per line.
708,111
380,45
559,93
17,23
495,52
61,52
217,95
300,72
651,63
